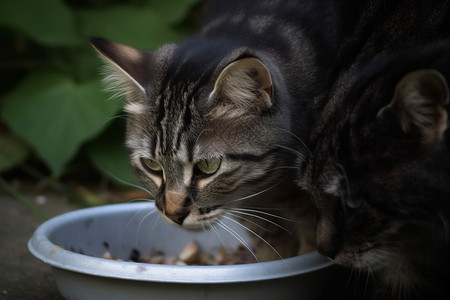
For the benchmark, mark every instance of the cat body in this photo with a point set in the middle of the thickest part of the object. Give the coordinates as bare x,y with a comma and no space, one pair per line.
214,121
379,164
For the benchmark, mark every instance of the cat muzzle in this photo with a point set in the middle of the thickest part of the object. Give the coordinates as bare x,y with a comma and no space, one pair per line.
327,240
178,217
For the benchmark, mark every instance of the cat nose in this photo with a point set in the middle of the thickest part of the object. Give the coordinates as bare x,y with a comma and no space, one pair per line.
329,250
178,217
327,241
176,206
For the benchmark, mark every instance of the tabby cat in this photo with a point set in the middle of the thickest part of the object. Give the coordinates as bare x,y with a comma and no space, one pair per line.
379,163
214,121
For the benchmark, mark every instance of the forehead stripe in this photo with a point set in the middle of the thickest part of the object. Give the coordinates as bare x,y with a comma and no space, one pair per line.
251,157
160,117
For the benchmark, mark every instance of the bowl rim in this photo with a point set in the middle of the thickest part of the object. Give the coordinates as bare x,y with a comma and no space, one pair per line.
42,248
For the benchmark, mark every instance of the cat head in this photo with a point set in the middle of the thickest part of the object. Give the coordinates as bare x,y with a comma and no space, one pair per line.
378,171
201,127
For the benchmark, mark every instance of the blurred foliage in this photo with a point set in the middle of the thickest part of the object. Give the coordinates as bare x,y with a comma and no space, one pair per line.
52,108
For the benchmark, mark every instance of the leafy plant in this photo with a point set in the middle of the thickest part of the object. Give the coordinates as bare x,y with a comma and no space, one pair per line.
52,104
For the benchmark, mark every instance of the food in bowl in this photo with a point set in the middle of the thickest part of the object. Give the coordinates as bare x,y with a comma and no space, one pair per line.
191,255
73,244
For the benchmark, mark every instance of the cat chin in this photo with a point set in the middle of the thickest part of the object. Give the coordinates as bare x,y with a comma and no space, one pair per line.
194,228
193,222
363,260
370,260
197,225
187,226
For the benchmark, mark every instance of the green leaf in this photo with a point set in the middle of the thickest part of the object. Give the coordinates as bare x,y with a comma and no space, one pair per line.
81,62
12,151
48,22
108,154
141,27
174,11
56,115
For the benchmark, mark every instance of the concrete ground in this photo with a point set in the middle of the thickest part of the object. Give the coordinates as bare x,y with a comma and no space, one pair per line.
22,276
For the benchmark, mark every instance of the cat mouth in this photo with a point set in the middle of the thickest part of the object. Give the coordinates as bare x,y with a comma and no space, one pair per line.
193,218
202,219
200,224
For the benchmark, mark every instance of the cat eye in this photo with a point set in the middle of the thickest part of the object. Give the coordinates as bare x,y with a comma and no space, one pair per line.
151,165
208,166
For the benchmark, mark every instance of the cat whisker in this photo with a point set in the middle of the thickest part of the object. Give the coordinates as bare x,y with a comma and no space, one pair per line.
238,237
152,227
264,213
293,150
358,271
141,199
370,275
142,222
246,219
263,208
366,286
255,194
297,138
127,183
385,252
211,229
213,225
214,229
352,274
353,281
259,217
122,232
385,257
257,235
113,118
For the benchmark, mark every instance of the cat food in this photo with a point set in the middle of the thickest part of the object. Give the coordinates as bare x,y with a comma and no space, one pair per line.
191,255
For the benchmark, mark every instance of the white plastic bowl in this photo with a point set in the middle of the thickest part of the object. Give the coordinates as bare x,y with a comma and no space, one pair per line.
120,228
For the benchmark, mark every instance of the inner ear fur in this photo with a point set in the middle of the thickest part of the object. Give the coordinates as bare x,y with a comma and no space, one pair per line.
246,83
126,67
419,104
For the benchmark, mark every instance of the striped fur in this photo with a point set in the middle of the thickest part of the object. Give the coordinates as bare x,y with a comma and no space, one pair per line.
237,92
379,172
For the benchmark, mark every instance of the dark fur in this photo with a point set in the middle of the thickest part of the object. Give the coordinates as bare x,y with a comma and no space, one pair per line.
383,194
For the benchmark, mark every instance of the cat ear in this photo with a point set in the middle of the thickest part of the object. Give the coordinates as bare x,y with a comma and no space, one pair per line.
246,83
419,104
127,67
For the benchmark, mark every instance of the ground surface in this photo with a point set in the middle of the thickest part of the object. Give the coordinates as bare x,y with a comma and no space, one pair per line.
22,276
